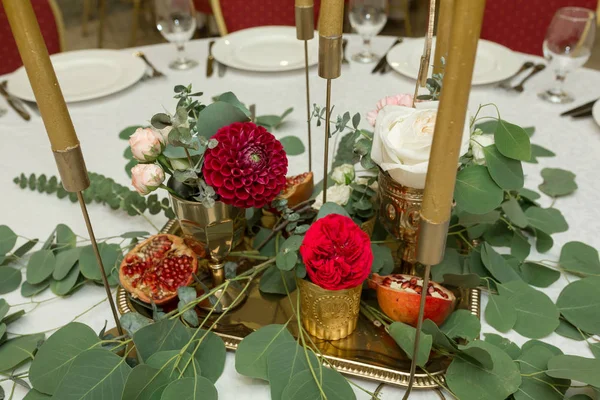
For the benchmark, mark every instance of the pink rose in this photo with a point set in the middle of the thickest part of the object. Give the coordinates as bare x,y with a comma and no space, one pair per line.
145,178
146,144
404,99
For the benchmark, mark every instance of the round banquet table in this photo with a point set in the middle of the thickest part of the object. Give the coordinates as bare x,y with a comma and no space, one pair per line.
33,215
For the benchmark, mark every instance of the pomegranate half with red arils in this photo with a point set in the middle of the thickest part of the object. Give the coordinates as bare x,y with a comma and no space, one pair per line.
298,188
155,268
399,297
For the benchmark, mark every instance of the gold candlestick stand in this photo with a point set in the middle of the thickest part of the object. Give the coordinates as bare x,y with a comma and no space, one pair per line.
426,57
305,30
441,174
63,139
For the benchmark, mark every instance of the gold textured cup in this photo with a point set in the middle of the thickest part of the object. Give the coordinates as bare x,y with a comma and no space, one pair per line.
399,212
328,314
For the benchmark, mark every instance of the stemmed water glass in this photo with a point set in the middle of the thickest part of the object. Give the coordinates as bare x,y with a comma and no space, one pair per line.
567,46
367,17
176,21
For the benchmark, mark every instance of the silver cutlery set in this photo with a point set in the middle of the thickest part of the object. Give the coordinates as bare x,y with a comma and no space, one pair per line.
535,69
211,62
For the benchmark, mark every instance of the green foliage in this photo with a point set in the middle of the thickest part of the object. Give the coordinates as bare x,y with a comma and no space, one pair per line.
506,172
404,335
277,281
303,386
512,141
538,386
292,145
579,258
383,261
579,304
331,208
163,335
475,191
577,368
557,182
10,279
102,190
272,122
500,313
538,275
40,266
462,324
548,220
15,351
8,239
284,362
193,388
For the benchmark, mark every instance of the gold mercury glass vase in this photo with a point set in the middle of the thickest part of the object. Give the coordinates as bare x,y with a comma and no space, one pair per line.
399,212
213,233
328,314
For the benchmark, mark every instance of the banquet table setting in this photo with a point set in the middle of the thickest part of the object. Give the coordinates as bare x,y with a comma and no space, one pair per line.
120,91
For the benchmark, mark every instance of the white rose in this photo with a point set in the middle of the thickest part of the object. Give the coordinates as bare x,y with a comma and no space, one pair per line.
344,174
338,194
402,141
478,142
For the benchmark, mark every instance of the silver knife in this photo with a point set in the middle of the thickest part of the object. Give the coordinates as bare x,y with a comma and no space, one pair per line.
210,60
222,68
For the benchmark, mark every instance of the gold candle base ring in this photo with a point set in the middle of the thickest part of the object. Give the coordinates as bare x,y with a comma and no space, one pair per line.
305,22
72,169
432,242
330,56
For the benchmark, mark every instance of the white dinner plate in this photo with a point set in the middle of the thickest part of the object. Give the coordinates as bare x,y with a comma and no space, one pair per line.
596,112
493,62
85,74
265,49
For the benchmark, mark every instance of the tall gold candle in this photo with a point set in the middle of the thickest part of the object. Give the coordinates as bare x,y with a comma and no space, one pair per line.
442,36
441,174
63,139
305,31
331,18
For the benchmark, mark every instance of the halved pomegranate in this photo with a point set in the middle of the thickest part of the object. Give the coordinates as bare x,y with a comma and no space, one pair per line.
155,268
298,188
399,297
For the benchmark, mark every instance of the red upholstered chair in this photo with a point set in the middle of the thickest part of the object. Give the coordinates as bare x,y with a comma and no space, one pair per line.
234,15
203,6
51,24
521,24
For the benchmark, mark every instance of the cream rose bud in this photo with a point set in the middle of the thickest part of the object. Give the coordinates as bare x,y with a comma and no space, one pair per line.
478,142
402,141
338,194
146,144
146,178
344,174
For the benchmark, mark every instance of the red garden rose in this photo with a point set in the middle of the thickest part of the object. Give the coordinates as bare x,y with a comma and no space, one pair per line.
247,167
337,253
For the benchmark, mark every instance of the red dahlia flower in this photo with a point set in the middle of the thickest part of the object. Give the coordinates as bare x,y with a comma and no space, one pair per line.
247,167
337,253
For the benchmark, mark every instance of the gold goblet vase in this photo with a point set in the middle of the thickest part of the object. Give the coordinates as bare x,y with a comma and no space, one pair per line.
213,232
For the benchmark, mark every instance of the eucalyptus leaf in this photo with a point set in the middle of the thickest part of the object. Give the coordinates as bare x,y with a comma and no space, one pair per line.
498,235
163,335
8,239
286,261
65,261
229,97
557,182
217,115
145,383
277,281
285,361
40,266
539,151
15,351
10,279
304,387
20,251
451,264
581,369
29,290
251,354
566,329
537,315
595,348
503,344
538,275
467,380
134,234
268,250
292,145
475,191
544,242
55,356
292,243
515,214
519,246
65,238
172,364
500,313
4,307
210,355
579,304
512,141
462,281
13,317
476,353
548,220
580,258
462,324
497,265
404,335
533,361
34,395
133,322
196,388
109,253
467,219
506,172
440,340
529,194
383,261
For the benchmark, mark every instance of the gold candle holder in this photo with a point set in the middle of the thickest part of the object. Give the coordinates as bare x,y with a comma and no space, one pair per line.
328,314
305,30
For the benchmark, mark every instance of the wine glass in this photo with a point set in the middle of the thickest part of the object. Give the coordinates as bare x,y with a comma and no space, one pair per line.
567,46
176,21
368,18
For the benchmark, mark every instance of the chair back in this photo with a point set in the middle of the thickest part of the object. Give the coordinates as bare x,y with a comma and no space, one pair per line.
521,24
235,15
50,19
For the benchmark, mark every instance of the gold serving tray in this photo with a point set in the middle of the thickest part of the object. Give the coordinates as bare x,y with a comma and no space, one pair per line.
368,353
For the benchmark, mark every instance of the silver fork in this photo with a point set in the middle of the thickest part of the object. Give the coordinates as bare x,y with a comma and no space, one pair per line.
505,84
155,73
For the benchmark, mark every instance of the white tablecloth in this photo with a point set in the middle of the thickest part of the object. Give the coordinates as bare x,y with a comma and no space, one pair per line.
30,214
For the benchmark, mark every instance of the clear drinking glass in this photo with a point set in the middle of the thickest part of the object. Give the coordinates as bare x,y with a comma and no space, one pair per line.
567,46
176,21
367,17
